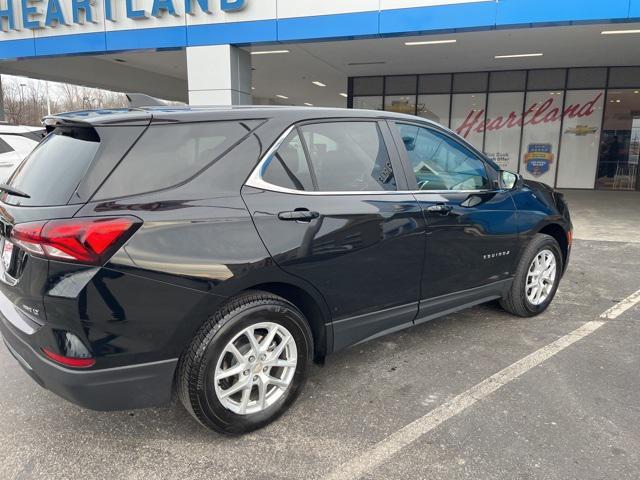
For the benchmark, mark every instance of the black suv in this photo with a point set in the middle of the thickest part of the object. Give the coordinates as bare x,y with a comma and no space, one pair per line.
216,252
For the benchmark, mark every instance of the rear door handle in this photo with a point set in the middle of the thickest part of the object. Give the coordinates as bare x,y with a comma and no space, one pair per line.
300,215
440,208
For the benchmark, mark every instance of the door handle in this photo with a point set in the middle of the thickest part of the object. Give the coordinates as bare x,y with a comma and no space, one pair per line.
440,208
299,215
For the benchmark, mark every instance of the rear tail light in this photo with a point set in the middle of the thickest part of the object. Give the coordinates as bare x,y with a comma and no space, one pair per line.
89,241
69,361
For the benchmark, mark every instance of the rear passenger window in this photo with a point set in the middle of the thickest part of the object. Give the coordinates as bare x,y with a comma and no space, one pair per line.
349,156
288,166
167,155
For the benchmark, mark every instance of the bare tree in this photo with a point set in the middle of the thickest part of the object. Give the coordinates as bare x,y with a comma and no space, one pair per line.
25,100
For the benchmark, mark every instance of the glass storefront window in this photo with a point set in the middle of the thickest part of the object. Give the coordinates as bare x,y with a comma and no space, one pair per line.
549,79
400,104
587,78
367,86
580,138
401,85
562,126
502,142
470,82
541,135
620,142
435,108
368,103
434,83
624,77
467,117
509,81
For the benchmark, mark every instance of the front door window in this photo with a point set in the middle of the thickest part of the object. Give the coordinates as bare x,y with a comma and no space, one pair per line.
441,163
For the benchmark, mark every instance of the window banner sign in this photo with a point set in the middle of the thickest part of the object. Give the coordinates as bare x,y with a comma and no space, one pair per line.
502,142
467,117
537,156
580,138
541,135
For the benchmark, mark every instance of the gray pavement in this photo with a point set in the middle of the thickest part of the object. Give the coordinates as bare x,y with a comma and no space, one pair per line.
575,416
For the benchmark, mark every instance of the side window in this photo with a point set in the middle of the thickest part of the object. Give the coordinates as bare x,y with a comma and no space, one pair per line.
288,166
5,147
440,162
167,155
349,156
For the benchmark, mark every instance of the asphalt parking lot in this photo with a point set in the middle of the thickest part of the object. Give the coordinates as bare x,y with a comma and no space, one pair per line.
574,415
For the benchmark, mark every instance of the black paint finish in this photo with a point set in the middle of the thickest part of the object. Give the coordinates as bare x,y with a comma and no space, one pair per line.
361,265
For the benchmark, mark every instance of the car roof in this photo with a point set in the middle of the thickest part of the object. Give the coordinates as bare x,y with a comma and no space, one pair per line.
180,114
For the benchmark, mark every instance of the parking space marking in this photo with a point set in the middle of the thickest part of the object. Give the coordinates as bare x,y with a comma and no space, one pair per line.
385,449
622,306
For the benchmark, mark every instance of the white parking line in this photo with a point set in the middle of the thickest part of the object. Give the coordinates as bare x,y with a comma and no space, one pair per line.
385,449
622,306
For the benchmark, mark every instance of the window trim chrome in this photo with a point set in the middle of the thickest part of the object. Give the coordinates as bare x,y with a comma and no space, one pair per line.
255,179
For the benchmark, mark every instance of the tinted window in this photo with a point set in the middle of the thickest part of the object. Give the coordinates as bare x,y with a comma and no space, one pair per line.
5,147
349,156
441,163
167,155
19,143
288,167
52,172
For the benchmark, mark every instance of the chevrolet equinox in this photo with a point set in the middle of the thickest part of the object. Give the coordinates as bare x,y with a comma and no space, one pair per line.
216,252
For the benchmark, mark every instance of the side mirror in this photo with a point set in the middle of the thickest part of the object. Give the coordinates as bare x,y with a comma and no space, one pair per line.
508,180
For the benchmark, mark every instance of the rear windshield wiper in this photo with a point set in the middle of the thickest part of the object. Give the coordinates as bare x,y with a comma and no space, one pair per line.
13,191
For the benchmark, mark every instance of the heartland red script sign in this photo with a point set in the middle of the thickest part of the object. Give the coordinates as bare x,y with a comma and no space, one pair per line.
534,115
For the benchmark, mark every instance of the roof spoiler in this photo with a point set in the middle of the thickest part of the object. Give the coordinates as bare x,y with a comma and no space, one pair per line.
140,100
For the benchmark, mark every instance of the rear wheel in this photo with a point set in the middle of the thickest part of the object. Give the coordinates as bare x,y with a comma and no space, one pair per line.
536,279
247,364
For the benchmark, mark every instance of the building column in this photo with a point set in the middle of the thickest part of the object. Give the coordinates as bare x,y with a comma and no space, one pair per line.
219,75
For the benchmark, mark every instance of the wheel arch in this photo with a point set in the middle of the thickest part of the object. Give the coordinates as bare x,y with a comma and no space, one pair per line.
559,233
313,309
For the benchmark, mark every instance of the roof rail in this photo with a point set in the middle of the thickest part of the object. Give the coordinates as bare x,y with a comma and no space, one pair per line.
139,100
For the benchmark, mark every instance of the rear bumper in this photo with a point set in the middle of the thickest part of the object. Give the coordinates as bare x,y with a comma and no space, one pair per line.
120,388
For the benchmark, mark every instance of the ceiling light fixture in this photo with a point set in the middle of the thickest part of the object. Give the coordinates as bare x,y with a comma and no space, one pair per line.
430,42
619,32
269,52
308,104
282,97
520,55
319,84
344,95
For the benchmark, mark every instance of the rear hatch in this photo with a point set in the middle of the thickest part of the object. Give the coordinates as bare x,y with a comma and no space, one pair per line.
48,185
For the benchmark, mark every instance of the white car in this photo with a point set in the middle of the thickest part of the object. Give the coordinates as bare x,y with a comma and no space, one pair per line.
16,142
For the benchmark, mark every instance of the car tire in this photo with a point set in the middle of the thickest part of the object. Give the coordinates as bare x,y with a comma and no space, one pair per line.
521,298
223,347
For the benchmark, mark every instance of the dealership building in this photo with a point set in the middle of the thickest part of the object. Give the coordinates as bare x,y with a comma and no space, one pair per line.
547,88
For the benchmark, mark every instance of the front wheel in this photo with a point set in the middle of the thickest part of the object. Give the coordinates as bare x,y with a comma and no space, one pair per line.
247,364
537,277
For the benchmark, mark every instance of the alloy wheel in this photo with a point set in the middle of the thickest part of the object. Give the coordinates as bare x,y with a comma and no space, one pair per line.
541,277
256,368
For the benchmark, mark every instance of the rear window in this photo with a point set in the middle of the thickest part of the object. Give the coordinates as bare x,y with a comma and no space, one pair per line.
52,172
167,155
